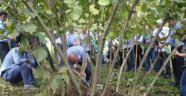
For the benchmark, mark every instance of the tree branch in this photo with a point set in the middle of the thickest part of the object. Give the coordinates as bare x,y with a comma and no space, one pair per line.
144,57
101,47
125,27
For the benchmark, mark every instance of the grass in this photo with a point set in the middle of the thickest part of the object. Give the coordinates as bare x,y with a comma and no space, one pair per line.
161,88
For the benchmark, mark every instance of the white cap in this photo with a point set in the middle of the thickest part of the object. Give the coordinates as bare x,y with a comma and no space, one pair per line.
159,21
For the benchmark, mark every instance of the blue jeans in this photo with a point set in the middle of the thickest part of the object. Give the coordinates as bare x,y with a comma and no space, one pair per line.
183,83
88,72
163,56
19,73
103,59
4,49
147,60
131,62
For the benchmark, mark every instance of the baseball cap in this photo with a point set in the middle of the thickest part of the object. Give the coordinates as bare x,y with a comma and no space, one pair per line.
159,21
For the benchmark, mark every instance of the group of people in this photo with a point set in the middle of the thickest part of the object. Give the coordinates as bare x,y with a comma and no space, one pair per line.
161,49
17,65
159,52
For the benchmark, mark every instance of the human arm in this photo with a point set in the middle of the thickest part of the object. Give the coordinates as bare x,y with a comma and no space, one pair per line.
76,43
74,70
84,64
17,57
176,53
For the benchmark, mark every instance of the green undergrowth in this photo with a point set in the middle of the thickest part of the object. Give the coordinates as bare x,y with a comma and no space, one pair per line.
162,86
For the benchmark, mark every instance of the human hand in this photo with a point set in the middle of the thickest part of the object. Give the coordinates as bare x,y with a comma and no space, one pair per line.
76,43
75,66
175,52
83,75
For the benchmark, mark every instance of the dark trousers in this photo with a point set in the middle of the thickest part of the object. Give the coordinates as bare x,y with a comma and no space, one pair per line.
147,63
177,64
4,49
87,71
19,73
163,56
131,60
183,83
138,52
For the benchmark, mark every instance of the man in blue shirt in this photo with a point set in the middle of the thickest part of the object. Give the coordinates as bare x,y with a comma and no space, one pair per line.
16,67
75,55
4,48
72,38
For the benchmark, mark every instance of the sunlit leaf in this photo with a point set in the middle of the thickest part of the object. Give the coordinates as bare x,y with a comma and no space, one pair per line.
69,1
42,37
49,12
104,2
29,27
40,53
93,10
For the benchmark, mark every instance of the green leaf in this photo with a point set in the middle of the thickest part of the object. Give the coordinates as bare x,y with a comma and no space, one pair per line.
24,43
42,37
76,13
93,10
167,49
111,34
16,32
49,12
93,27
178,42
29,27
144,7
2,31
69,1
104,2
40,54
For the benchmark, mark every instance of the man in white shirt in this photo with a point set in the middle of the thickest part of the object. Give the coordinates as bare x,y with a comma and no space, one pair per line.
162,48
